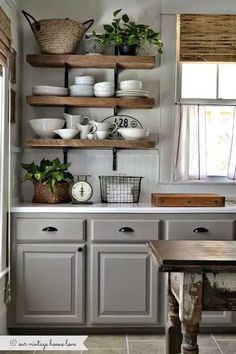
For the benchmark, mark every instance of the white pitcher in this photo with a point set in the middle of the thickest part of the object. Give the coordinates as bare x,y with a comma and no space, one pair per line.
85,130
72,120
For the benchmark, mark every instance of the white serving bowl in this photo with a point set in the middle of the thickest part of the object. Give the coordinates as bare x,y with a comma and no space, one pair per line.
104,85
134,133
67,133
85,80
131,85
44,127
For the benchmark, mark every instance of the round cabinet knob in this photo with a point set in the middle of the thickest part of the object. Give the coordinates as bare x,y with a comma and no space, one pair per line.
126,229
200,230
80,249
50,229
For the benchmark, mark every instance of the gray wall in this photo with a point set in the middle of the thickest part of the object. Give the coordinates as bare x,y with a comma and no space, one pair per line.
96,162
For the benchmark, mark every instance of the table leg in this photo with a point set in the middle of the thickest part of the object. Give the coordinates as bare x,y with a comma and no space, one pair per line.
190,333
173,326
190,310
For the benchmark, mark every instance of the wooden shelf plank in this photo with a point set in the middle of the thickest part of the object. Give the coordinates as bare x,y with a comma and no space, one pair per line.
80,143
91,61
107,102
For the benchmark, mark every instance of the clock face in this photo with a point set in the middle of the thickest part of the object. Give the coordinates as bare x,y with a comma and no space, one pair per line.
81,191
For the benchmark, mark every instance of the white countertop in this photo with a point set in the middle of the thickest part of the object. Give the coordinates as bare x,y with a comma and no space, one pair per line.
117,208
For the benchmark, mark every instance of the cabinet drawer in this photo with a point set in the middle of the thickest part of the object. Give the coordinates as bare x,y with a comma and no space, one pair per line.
50,229
200,229
125,230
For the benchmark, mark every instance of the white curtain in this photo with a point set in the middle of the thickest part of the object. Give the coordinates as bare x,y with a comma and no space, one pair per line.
232,159
191,143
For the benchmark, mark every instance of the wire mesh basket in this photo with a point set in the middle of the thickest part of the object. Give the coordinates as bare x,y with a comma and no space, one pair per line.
120,189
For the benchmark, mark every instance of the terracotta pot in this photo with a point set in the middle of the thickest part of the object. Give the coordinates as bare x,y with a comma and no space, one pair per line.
43,193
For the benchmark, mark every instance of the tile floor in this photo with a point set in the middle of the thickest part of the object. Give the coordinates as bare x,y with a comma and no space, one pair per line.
145,344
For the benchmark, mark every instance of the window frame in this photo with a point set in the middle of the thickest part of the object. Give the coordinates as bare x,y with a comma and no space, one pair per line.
202,101
169,96
4,171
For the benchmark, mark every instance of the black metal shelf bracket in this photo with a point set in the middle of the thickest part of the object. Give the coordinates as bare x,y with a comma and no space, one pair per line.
66,83
116,79
65,155
114,162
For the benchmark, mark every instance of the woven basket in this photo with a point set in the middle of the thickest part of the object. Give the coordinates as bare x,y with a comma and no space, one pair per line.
57,36
43,193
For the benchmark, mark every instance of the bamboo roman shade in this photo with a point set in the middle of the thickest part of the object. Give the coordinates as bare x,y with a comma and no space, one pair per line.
5,37
207,38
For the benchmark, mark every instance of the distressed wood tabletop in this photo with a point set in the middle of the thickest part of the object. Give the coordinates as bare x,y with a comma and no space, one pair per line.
194,256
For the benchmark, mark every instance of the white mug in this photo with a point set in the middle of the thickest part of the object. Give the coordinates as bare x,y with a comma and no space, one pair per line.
91,136
72,120
85,130
102,134
105,126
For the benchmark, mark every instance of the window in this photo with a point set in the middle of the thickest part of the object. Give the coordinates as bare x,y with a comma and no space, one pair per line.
206,127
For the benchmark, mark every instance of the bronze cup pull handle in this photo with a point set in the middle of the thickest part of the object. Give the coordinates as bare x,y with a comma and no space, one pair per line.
126,229
200,230
50,229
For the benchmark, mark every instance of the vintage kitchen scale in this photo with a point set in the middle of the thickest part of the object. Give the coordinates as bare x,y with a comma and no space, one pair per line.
81,190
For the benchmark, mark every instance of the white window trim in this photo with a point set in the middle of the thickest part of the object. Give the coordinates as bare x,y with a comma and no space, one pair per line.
169,95
4,170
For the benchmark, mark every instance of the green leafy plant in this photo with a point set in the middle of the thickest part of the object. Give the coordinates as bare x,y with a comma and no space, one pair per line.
48,172
123,31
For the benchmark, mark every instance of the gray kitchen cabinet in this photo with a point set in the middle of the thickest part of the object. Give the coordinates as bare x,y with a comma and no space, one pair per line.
124,285
123,289
49,283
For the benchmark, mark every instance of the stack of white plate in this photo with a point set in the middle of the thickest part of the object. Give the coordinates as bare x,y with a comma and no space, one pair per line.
104,89
83,86
132,93
49,90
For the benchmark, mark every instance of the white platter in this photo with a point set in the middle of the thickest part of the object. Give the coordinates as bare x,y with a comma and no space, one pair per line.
49,90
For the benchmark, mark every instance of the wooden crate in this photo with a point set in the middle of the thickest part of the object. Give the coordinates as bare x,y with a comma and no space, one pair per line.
187,200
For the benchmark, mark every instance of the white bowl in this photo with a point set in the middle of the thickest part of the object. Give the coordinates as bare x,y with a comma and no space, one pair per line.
104,84
131,85
67,133
89,80
134,133
44,127
104,93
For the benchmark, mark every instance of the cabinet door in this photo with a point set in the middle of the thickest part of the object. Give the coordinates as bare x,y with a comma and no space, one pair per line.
124,285
49,284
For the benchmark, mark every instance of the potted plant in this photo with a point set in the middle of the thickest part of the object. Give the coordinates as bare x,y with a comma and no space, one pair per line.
129,36
51,181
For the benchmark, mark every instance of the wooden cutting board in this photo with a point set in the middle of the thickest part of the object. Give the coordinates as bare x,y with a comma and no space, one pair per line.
187,200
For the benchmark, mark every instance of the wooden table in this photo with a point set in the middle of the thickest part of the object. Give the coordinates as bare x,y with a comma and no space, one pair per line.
201,276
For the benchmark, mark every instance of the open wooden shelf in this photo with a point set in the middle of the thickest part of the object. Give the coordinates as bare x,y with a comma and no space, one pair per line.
91,61
98,102
80,143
